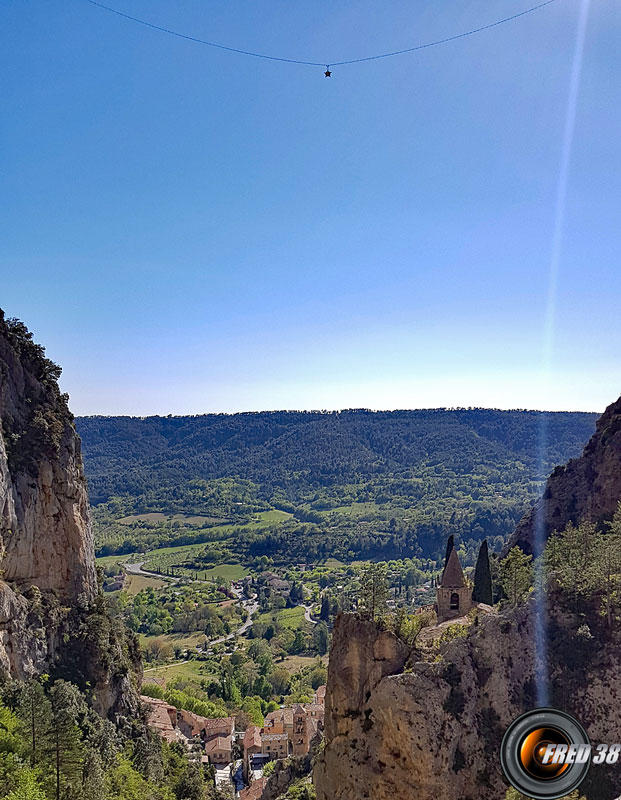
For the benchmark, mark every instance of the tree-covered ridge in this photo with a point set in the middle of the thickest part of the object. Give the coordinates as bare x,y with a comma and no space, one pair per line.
351,484
290,453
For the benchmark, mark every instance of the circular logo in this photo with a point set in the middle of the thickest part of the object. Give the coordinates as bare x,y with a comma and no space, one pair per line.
545,754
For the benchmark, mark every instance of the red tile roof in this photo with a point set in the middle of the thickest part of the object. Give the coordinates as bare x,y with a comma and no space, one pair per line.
252,737
284,715
254,791
219,743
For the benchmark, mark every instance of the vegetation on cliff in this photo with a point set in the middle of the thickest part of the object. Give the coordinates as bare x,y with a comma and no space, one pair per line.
53,746
451,691
37,427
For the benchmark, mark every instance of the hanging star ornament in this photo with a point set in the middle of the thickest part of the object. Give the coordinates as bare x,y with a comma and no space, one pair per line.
327,73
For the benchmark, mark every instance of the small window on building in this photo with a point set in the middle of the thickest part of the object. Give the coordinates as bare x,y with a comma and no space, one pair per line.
454,602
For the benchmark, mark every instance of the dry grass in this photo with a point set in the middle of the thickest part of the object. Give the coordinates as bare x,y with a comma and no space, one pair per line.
295,663
188,670
136,583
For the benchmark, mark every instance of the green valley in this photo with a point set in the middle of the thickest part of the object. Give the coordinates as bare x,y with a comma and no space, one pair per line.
197,492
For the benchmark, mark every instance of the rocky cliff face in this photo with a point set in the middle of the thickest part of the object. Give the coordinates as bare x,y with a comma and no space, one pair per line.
403,726
433,731
586,487
44,520
51,618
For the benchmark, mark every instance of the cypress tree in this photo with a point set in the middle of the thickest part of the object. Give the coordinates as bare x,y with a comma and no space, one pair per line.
482,592
450,545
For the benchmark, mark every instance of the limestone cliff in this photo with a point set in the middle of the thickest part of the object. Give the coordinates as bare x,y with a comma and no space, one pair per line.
44,519
51,618
432,731
407,726
586,487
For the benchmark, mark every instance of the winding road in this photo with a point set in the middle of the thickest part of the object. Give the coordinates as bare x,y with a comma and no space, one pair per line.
136,569
307,615
250,605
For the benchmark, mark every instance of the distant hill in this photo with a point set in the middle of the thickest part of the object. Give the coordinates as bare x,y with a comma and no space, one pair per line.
395,481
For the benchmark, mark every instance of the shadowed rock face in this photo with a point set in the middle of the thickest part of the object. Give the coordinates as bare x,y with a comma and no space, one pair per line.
586,487
434,732
44,511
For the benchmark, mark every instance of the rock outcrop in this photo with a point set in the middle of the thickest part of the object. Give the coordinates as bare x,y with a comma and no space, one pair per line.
432,731
398,728
44,512
51,617
287,773
586,487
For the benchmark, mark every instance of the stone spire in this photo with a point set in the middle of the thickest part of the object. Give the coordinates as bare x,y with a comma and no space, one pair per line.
453,576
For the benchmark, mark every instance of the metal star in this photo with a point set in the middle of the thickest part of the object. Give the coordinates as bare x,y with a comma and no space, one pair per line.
327,73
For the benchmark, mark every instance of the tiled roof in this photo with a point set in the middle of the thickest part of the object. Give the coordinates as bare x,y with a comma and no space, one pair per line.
160,719
219,743
154,701
252,737
197,723
284,715
254,791
221,722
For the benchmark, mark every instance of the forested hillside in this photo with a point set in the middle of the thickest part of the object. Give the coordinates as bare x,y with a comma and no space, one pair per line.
348,484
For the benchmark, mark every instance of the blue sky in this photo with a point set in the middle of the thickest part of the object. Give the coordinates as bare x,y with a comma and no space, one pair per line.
188,230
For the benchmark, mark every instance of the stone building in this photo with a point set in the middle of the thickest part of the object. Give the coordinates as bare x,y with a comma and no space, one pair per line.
453,594
252,747
219,750
275,745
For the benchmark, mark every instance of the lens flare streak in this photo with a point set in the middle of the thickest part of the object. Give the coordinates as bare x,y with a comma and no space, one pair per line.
541,633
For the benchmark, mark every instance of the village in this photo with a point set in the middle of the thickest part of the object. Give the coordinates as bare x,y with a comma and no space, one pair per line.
239,757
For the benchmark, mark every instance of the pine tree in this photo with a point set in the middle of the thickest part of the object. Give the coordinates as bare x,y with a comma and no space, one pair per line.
373,591
516,575
93,780
35,714
482,592
325,609
574,556
190,785
63,746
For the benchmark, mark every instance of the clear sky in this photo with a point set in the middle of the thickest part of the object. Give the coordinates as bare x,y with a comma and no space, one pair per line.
189,230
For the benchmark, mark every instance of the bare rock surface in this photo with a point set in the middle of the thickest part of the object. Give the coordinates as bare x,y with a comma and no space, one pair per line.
433,730
44,511
52,618
586,487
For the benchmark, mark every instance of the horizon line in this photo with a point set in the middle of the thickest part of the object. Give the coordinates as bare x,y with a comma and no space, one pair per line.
328,411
